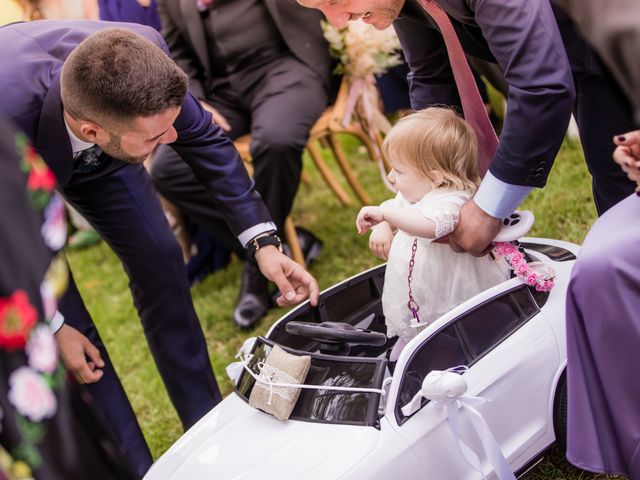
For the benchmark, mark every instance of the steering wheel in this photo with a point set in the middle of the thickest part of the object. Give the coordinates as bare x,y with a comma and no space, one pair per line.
336,333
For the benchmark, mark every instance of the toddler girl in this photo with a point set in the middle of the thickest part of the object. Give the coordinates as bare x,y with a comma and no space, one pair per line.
433,155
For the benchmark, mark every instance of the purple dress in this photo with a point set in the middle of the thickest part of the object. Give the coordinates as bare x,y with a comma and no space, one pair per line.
603,346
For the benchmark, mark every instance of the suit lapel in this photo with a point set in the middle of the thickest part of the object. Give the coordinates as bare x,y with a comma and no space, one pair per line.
272,8
52,140
195,30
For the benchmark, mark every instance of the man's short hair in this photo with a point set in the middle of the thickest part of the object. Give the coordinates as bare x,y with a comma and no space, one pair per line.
115,74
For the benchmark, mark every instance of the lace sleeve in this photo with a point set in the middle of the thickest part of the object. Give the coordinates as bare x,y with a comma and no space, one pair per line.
445,218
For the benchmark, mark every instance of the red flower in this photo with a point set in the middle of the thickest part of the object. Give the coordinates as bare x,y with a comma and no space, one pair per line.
41,178
17,317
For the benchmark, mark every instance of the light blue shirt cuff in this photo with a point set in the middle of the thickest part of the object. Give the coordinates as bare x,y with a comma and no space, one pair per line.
499,199
245,237
56,322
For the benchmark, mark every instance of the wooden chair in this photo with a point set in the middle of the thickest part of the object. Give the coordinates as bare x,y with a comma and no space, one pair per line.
291,237
326,131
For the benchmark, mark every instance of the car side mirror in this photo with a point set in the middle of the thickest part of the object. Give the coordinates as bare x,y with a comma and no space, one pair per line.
437,385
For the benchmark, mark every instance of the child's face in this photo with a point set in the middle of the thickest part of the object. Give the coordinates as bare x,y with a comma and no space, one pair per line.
410,182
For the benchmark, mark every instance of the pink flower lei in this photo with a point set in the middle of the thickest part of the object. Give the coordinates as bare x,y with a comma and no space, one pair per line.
516,261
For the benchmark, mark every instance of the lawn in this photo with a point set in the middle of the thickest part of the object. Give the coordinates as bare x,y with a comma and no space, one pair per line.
564,210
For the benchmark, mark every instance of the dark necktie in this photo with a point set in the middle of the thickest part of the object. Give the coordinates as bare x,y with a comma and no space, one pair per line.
89,160
472,105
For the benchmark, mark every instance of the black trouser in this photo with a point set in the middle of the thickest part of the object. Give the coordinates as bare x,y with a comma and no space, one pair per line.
602,111
122,205
278,104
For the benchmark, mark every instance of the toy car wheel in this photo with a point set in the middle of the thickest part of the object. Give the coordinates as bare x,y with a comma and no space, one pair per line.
560,413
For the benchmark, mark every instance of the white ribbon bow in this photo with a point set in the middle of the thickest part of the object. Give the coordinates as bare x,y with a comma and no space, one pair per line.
234,369
445,389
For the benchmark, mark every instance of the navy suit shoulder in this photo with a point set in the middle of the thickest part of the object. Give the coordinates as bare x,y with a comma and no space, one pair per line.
30,82
523,38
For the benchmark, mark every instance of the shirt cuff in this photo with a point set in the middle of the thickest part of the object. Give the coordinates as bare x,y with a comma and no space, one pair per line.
499,199
56,322
245,237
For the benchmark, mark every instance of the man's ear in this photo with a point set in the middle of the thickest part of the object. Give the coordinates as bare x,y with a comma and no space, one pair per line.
92,132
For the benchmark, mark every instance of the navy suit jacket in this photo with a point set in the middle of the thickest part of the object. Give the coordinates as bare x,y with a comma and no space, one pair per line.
522,37
30,65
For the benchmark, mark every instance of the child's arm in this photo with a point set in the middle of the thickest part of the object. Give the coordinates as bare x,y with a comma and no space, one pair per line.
407,219
380,240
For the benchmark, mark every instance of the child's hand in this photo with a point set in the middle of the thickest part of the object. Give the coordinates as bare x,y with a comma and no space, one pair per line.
380,240
368,217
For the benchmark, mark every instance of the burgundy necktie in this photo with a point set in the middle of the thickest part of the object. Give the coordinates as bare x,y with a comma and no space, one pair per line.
472,106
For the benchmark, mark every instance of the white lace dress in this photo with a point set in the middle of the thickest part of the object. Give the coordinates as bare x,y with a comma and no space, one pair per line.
442,278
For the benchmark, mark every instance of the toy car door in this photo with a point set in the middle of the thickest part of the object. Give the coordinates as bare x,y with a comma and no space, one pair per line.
512,357
515,359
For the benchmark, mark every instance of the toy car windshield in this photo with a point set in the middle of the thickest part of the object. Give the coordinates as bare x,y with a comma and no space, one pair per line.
328,406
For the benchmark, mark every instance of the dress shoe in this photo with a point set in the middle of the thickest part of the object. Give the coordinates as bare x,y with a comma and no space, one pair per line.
310,245
253,299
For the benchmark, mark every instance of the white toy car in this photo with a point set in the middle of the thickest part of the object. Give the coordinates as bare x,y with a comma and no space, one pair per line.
511,337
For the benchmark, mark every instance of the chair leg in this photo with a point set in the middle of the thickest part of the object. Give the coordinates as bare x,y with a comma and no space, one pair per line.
348,172
292,240
327,175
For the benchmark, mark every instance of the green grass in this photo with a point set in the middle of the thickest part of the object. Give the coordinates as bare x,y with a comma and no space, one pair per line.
563,210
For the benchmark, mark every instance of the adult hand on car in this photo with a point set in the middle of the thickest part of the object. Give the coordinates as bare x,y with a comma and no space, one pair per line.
79,355
293,281
380,240
627,155
216,117
475,230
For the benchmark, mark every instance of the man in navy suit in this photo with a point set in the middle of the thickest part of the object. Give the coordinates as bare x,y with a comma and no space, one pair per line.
96,101
523,38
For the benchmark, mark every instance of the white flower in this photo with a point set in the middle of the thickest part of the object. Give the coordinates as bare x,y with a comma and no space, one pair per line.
41,348
362,49
31,395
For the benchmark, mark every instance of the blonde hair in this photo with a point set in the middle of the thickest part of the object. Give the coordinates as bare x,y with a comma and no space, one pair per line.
436,139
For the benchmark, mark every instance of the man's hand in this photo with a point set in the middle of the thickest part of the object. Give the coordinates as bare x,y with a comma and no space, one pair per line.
475,230
627,155
368,218
293,281
216,117
79,355
380,240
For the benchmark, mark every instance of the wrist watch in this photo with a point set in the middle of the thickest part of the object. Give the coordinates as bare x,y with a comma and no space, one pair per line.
257,243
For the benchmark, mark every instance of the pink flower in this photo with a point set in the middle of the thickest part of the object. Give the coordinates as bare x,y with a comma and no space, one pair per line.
531,279
521,269
504,248
516,257
31,395
41,349
545,286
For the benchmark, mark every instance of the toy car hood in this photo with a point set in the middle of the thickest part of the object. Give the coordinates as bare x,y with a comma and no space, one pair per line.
237,441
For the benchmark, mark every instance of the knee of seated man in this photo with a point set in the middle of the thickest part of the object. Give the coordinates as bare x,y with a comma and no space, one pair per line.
276,143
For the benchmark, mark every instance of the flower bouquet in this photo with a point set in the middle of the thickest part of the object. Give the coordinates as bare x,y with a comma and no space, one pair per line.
363,52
